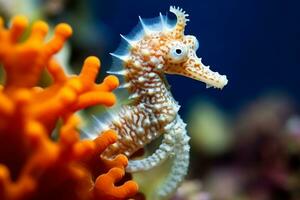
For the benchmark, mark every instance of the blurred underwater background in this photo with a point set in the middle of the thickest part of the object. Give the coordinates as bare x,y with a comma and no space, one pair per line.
245,139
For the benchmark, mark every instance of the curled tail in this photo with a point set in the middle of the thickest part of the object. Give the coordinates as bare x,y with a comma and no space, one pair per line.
180,163
165,150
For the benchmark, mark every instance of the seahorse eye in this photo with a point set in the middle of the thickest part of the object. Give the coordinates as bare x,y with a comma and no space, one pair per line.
178,52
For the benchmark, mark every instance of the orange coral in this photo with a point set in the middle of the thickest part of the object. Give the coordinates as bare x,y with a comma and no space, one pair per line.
32,165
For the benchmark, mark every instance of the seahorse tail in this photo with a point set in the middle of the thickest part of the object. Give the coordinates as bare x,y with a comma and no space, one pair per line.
154,160
157,158
179,168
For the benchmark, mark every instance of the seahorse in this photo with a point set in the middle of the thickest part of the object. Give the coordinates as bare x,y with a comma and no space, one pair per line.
155,48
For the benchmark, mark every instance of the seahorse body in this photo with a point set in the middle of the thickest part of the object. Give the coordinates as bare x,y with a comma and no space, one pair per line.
155,48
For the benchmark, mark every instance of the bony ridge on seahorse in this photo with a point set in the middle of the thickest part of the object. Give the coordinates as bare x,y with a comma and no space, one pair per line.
153,49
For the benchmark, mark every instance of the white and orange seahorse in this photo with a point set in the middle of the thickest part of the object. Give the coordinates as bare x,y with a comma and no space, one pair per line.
156,47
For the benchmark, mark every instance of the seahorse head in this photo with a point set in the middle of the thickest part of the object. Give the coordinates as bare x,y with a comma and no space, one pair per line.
162,47
181,56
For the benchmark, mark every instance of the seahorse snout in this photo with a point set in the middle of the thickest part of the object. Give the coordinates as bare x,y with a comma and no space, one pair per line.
212,79
195,69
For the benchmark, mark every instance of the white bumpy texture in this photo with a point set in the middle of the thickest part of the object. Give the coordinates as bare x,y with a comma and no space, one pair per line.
174,146
180,160
159,156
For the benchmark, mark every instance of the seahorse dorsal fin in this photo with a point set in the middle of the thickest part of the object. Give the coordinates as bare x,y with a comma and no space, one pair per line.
146,30
121,57
130,42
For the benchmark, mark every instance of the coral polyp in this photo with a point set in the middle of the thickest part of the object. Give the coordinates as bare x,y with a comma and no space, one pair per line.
33,165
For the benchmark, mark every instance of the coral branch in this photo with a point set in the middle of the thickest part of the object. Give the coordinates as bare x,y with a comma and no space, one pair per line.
6,106
33,165
19,24
56,71
114,175
39,31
